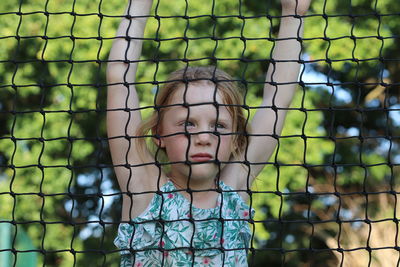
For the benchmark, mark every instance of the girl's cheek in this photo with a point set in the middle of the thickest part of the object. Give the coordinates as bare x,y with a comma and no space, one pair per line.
225,145
181,140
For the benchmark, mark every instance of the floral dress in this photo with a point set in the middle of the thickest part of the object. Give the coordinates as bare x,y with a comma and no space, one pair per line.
172,232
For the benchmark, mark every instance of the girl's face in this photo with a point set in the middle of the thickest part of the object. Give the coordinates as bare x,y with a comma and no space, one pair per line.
189,132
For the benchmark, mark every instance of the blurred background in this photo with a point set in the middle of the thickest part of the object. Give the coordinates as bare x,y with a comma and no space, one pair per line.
327,197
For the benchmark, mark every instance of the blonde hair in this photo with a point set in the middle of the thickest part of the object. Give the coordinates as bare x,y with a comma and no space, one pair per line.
224,84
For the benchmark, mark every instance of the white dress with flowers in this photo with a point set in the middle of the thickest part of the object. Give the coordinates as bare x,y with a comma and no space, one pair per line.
168,234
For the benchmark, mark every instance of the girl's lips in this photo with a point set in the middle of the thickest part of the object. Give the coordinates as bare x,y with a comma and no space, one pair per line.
201,157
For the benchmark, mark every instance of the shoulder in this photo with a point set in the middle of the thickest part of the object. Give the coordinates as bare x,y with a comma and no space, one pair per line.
237,176
141,196
235,201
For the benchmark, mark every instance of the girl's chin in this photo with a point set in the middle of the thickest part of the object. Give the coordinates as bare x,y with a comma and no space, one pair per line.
204,170
201,172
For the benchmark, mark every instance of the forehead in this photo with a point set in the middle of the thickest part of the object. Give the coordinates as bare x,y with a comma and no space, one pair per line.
197,93
200,98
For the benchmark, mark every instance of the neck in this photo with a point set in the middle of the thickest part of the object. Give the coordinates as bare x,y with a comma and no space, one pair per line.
193,184
206,199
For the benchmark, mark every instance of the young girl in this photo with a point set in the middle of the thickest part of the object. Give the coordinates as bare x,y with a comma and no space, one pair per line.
190,210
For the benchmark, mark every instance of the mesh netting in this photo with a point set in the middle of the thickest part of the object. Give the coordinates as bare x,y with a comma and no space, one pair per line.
328,194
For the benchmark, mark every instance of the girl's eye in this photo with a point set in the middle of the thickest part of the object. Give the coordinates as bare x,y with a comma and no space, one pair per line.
219,126
187,124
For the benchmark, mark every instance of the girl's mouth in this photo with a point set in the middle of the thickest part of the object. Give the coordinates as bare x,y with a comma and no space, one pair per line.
201,157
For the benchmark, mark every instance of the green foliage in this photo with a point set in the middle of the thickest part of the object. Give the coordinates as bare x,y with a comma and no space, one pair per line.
54,156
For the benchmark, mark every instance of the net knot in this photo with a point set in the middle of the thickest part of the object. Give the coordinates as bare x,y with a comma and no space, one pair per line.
158,164
275,136
249,192
383,84
340,250
328,61
185,104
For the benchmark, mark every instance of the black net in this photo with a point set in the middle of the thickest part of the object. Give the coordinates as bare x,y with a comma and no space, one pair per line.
326,197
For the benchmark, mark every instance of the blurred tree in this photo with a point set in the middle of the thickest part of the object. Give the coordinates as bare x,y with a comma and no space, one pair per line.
351,193
342,135
53,120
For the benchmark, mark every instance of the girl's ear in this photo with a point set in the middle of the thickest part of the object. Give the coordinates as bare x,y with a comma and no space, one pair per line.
158,142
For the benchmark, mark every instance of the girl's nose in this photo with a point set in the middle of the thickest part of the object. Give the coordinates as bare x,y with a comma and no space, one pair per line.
203,138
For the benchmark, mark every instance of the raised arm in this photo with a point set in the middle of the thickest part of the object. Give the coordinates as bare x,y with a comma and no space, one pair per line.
283,73
122,98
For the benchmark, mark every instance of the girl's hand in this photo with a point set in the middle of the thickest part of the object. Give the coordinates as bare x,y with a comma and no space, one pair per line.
295,7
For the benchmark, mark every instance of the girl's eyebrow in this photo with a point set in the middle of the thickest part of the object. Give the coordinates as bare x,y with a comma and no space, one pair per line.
222,112
225,121
175,108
